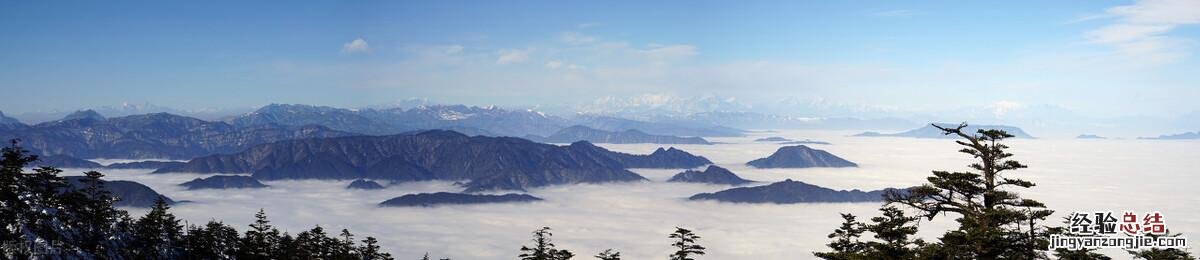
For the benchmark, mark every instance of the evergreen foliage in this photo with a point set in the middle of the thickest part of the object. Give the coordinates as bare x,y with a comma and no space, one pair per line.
543,248
44,219
685,244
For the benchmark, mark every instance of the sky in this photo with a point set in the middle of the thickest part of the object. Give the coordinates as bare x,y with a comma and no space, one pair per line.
1101,58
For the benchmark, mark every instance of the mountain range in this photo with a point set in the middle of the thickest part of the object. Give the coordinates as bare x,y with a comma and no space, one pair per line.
582,133
384,121
447,198
1181,136
489,163
790,192
224,182
929,131
87,134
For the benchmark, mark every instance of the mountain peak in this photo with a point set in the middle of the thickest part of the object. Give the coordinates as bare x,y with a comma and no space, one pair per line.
800,156
84,114
5,120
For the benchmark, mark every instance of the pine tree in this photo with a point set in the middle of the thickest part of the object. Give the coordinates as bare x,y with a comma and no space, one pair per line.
686,244
543,249
892,230
344,248
370,250
609,254
261,241
157,235
214,240
315,243
288,248
36,219
96,218
846,243
990,217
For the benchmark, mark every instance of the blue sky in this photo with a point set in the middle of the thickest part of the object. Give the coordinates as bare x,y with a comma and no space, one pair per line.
1097,57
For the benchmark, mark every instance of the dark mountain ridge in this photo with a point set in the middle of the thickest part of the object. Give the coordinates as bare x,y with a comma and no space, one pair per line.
86,134
928,131
711,175
489,163
447,198
790,192
800,156
224,182
128,193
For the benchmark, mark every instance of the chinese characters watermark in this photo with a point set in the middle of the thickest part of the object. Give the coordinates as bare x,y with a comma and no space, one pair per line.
1101,229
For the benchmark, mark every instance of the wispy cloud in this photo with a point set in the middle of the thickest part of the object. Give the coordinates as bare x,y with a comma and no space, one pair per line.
356,46
1086,18
1142,30
513,56
659,52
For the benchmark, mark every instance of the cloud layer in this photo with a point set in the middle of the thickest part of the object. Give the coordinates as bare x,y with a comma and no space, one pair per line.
1073,175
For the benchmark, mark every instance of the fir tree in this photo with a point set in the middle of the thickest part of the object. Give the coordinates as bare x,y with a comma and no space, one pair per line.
846,243
35,219
344,248
892,230
157,235
288,248
609,254
543,249
214,240
370,250
261,241
96,219
685,243
990,216
312,244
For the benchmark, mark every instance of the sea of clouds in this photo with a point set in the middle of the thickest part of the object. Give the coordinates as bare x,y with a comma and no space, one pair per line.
635,218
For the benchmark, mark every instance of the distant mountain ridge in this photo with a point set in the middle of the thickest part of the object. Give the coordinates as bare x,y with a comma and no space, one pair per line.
632,136
86,134
8,121
663,127
387,121
1180,136
490,163
89,134
790,192
928,131
447,198
224,182
711,175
